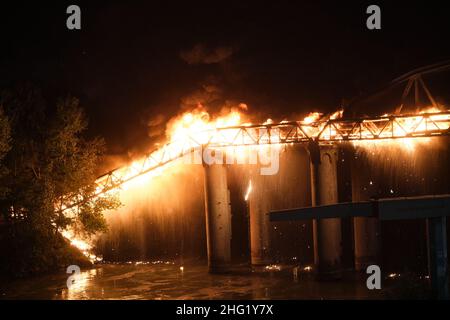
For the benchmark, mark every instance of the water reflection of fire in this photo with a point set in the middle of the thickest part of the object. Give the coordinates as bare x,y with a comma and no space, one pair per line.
82,281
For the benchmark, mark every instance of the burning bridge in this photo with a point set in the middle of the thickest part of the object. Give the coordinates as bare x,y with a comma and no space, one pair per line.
321,135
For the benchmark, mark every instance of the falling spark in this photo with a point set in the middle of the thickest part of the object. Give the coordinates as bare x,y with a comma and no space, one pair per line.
249,190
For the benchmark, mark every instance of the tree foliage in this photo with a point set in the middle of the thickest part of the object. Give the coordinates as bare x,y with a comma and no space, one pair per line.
48,162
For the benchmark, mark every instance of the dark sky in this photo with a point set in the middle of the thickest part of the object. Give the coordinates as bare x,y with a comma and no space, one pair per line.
126,63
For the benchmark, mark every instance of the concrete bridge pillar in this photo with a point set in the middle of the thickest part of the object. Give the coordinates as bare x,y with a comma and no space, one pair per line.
218,218
259,207
327,232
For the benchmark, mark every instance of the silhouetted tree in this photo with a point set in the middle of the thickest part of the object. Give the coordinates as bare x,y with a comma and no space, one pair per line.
48,164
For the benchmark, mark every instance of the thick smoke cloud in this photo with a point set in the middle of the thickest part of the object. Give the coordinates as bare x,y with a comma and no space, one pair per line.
207,94
156,126
200,54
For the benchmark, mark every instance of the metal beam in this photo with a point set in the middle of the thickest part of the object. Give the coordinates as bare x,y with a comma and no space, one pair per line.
339,210
384,209
414,207
433,208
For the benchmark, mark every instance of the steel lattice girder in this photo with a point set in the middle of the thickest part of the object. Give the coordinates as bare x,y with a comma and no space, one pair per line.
323,132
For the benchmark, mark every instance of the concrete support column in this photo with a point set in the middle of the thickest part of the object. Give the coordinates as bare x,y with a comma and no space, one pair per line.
327,232
259,207
218,218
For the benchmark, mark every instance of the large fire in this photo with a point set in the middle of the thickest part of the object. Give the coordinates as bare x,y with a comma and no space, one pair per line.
184,133
190,130
193,129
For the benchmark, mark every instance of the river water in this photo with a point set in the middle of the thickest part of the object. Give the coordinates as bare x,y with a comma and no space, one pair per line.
167,280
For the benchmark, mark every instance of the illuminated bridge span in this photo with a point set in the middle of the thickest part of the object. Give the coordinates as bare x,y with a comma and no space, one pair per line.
287,132
425,124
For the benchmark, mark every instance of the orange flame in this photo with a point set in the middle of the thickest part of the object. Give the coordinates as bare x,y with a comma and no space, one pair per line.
83,245
312,117
404,127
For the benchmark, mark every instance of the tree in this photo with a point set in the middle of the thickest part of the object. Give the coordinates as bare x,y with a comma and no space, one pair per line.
71,166
49,163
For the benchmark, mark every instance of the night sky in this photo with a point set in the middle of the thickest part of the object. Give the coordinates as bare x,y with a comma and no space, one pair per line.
134,62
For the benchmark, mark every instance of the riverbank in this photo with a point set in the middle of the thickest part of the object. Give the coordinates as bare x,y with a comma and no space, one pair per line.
29,260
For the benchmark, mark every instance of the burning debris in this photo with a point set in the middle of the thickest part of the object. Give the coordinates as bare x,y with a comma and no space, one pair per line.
81,244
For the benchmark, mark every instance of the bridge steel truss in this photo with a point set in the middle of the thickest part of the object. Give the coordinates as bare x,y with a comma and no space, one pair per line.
329,131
